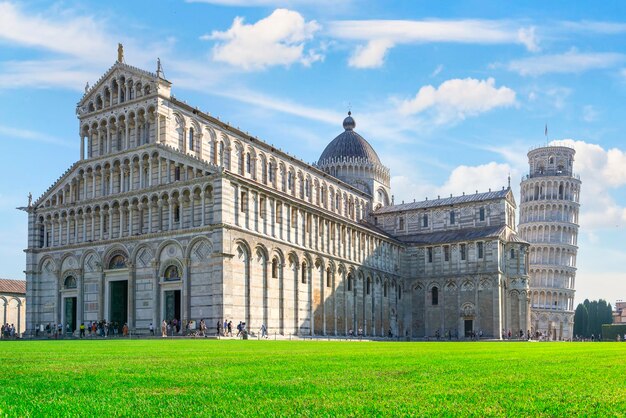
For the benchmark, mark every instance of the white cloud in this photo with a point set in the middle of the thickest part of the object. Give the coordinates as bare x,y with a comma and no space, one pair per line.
10,133
382,35
591,26
437,71
590,114
45,74
76,47
458,98
462,180
80,36
569,62
371,55
278,39
603,173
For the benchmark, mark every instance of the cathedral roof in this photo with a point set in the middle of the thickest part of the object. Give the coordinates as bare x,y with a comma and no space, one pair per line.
443,237
446,201
349,144
12,286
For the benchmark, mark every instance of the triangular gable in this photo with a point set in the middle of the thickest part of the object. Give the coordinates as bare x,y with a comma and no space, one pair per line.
57,185
511,198
118,68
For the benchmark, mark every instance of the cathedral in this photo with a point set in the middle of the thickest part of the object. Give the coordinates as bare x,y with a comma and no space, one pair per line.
171,213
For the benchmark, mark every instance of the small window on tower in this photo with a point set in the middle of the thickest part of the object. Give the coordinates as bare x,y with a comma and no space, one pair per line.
481,214
244,201
279,213
452,217
425,220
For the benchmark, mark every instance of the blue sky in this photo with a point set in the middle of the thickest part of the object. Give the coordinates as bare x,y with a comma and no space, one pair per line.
451,95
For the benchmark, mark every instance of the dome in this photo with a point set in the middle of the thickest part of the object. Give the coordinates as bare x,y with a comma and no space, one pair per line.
349,144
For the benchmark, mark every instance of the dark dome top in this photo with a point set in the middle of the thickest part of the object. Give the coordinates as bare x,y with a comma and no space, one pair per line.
349,144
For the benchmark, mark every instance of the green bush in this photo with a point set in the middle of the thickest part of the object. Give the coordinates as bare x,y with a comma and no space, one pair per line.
611,331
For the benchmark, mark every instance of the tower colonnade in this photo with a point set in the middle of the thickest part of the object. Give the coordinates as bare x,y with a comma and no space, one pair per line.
549,207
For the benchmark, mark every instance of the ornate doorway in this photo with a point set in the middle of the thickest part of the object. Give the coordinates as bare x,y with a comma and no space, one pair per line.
118,302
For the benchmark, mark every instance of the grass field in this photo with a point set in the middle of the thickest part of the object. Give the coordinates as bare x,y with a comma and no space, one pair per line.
247,378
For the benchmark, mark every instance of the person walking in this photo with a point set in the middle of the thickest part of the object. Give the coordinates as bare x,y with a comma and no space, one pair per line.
164,329
219,326
230,328
82,330
151,329
225,329
125,330
263,331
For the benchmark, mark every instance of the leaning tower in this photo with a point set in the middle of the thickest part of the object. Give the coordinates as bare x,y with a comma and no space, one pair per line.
549,221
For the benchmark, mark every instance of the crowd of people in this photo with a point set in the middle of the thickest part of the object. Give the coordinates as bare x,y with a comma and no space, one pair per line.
104,329
8,331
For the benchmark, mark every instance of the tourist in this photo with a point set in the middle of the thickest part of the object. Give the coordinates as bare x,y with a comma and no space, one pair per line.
164,329
82,329
230,328
125,330
225,330
219,325
151,327
239,329
263,331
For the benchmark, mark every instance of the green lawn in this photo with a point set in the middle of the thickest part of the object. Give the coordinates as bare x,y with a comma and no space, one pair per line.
213,378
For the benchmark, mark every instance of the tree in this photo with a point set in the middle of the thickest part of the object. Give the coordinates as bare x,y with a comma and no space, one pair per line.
590,316
581,317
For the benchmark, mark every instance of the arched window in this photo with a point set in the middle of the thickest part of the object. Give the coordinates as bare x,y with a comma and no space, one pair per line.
274,268
399,292
349,282
290,181
171,274
385,290
176,213
369,284
303,279
221,154
434,296
70,282
512,253
117,262
270,172
191,139
561,191
248,163
328,277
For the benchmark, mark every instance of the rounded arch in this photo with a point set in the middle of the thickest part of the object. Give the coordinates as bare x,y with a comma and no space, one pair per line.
197,242
171,269
45,260
115,253
70,281
241,244
166,243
